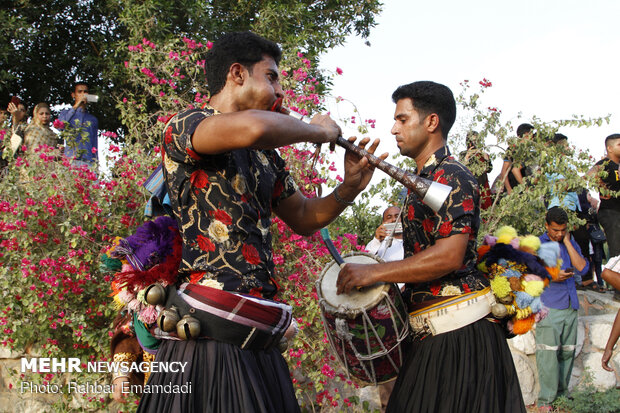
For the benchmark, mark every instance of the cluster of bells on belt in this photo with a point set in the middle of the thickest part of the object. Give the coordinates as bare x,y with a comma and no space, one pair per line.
169,319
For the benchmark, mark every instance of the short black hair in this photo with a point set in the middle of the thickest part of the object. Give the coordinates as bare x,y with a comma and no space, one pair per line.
558,137
76,84
387,209
557,215
246,48
429,97
524,128
610,138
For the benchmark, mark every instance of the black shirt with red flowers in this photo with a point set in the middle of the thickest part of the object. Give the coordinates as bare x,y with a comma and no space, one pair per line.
611,182
222,204
460,214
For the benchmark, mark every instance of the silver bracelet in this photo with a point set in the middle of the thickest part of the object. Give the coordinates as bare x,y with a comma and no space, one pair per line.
340,200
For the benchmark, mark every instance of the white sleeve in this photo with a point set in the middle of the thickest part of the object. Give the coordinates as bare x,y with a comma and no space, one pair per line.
613,264
373,246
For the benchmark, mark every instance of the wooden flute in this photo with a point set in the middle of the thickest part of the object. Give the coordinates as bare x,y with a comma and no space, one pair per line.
432,193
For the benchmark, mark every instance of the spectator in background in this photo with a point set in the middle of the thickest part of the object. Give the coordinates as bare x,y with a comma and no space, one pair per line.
556,335
85,127
477,160
609,209
514,173
589,207
569,200
38,132
18,123
377,246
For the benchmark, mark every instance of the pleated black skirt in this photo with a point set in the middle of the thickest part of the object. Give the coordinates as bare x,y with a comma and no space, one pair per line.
467,370
223,378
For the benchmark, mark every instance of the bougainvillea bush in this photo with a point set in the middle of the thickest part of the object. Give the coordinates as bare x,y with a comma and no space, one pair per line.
55,218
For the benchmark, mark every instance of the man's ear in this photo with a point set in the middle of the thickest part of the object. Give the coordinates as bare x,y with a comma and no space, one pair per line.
432,122
237,73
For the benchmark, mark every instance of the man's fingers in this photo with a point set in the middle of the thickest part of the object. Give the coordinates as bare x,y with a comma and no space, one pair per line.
373,146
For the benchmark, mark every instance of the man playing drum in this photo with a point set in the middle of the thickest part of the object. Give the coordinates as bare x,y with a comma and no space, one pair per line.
460,362
225,179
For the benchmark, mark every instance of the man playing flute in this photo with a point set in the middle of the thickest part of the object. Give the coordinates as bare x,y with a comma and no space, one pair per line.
225,180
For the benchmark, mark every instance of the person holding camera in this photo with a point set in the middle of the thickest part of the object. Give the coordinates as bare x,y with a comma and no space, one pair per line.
556,335
83,127
389,232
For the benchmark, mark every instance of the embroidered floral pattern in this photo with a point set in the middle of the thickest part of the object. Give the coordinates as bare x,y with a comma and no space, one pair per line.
222,204
459,215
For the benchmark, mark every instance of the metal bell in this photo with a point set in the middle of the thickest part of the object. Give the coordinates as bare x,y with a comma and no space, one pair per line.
283,345
188,328
155,294
168,319
506,300
499,310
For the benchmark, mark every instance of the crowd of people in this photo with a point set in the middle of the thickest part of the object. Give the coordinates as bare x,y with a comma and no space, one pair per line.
79,141
225,181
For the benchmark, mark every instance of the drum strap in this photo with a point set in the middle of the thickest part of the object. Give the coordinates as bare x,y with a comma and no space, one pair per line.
452,314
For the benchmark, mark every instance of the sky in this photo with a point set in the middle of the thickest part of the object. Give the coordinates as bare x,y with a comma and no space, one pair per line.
547,58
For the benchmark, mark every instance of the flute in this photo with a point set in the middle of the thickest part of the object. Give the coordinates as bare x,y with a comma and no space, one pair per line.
432,193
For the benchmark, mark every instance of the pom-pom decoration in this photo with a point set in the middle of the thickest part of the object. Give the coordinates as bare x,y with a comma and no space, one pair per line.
519,269
151,255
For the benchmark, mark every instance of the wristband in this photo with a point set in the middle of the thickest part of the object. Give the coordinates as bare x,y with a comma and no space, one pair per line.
340,200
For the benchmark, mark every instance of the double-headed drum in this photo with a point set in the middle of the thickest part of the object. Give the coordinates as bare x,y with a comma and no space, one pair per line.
365,328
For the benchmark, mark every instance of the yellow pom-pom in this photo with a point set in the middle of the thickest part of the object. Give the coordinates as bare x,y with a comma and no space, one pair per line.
530,243
501,286
523,313
505,234
117,304
533,288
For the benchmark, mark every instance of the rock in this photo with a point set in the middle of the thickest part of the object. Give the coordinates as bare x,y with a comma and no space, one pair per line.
601,379
7,353
370,394
30,406
526,371
599,333
525,343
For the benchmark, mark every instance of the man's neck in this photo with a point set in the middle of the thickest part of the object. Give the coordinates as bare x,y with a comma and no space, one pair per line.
425,155
613,158
224,102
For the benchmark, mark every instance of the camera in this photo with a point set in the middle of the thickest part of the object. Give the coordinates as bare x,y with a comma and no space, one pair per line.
92,98
397,227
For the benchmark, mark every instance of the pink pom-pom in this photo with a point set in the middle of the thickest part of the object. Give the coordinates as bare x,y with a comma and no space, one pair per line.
514,243
134,305
125,297
541,314
490,240
532,277
148,315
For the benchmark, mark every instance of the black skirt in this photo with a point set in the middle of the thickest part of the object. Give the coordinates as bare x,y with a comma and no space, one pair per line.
466,370
223,378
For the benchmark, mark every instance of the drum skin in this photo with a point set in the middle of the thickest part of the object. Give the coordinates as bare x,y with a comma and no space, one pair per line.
365,328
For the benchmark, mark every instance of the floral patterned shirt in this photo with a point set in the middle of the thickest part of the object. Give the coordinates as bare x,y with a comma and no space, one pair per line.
223,204
460,214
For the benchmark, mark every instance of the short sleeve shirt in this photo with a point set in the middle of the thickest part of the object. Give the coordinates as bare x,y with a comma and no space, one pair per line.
460,214
223,205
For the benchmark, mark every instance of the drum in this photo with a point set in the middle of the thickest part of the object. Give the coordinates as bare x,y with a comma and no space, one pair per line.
365,328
